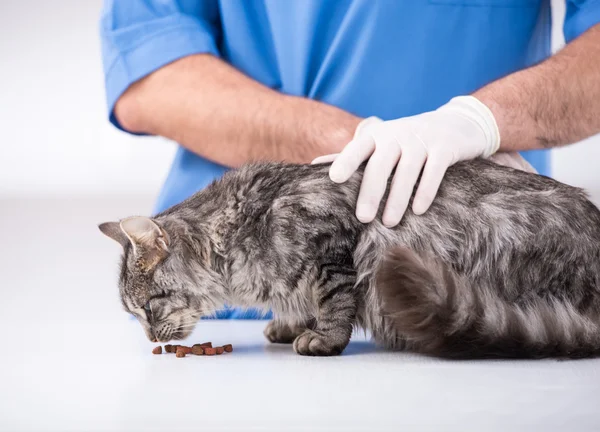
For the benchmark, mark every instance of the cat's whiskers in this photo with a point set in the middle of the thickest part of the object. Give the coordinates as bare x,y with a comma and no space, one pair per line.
181,329
184,325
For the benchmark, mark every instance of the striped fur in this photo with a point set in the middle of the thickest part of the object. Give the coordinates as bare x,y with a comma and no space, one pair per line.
443,314
504,264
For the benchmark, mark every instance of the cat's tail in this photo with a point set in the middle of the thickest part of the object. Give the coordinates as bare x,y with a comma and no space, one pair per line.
442,314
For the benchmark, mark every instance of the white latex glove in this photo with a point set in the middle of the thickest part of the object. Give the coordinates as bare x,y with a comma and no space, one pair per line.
462,129
508,159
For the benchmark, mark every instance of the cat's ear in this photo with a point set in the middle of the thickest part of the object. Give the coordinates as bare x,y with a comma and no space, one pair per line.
114,231
145,234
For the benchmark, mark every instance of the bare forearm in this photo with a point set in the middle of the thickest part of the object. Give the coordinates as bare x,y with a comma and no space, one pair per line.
551,104
217,112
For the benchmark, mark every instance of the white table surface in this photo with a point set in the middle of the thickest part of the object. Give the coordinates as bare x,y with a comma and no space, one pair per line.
72,360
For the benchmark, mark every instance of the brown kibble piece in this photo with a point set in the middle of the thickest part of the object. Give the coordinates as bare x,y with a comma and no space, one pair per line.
205,348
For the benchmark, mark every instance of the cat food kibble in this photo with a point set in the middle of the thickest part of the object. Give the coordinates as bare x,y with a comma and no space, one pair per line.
205,348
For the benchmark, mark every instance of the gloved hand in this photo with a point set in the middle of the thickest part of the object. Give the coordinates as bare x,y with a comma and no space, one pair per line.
507,159
462,129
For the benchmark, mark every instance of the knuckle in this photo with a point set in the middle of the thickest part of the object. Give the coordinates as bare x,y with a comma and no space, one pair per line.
411,168
382,141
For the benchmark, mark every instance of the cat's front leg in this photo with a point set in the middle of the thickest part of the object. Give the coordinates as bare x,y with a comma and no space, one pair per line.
336,312
279,331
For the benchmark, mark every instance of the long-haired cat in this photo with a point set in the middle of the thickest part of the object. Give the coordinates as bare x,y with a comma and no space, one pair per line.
504,264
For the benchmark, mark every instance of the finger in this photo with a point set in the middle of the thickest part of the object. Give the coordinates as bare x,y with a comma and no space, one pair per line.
527,167
516,161
348,161
433,173
325,159
505,159
498,158
513,160
406,176
375,179
366,124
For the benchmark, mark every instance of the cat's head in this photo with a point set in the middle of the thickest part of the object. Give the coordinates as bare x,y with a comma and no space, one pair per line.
155,284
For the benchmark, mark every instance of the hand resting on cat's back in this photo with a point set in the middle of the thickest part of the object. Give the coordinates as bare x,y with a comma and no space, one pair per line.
504,264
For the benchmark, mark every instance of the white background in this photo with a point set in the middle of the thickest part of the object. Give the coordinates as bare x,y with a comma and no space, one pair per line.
54,134
71,359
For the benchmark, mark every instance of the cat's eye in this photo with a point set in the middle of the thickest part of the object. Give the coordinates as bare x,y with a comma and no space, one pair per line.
147,308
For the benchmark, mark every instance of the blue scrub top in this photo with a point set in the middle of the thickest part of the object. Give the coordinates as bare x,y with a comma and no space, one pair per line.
388,58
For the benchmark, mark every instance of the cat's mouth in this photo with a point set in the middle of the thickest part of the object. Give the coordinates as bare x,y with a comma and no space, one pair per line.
168,331
175,335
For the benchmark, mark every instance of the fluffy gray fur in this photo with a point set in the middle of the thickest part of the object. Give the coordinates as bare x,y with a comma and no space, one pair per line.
504,264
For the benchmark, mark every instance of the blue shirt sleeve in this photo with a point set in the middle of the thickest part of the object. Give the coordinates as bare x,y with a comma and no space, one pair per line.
580,16
140,36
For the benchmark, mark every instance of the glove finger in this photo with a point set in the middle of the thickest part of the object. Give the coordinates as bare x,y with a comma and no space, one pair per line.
365,125
325,159
355,153
375,180
433,173
403,184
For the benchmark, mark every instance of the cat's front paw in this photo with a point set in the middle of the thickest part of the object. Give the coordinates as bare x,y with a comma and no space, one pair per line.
278,332
312,343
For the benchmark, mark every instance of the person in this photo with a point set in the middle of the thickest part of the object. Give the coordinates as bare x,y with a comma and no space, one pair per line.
409,87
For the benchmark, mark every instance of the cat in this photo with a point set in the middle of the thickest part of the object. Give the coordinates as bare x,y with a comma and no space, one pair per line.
505,263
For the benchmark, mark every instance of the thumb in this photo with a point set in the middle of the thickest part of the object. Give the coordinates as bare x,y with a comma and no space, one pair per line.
365,125
325,159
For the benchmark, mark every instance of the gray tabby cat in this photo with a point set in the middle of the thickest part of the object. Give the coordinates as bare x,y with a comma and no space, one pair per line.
504,264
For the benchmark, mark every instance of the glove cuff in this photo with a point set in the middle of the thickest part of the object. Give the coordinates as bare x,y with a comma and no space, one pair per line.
477,112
